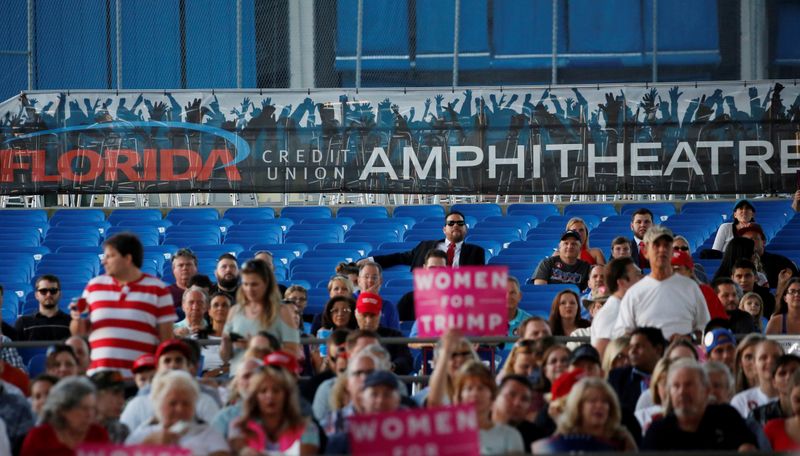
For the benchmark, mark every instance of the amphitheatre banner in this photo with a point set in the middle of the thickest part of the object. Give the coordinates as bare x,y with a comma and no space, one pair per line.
720,137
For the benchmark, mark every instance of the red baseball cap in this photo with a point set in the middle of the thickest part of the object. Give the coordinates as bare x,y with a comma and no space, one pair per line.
369,303
146,361
681,258
282,359
174,344
564,383
752,228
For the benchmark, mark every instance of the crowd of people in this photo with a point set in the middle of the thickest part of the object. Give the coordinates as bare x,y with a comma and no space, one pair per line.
676,359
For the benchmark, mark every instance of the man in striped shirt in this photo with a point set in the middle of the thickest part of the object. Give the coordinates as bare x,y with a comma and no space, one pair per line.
129,312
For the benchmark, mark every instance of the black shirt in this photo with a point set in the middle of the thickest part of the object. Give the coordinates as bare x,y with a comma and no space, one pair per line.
722,428
554,270
39,327
9,331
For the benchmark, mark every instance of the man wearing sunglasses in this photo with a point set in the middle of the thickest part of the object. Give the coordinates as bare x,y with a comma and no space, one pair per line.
49,322
458,252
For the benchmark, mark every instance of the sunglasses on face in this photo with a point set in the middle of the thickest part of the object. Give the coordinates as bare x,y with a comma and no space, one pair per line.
48,291
456,222
684,248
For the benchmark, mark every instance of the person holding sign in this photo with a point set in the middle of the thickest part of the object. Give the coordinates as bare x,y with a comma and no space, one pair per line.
458,252
566,267
451,352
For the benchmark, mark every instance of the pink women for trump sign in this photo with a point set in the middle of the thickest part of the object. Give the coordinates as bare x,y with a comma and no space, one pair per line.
470,298
439,431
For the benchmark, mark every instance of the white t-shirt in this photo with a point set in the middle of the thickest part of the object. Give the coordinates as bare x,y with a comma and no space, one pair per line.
501,439
604,320
749,399
674,305
201,439
139,410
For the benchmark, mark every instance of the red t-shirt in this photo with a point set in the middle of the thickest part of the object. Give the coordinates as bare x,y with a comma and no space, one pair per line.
43,440
777,436
16,377
715,308
587,256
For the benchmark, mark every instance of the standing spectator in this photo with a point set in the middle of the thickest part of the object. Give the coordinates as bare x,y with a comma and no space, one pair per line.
590,255
641,221
368,316
621,274
693,424
194,303
646,348
227,275
566,267
80,347
61,361
720,345
184,267
620,247
786,319
515,315
663,299
743,213
131,311
767,354
257,309
783,433
110,400
67,420
174,395
49,323
564,314
785,368
458,252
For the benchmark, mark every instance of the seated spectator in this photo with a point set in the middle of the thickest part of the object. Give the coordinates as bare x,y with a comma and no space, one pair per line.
566,267
332,360
652,403
144,369
80,346
218,309
348,270
729,294
171,355
683,264
405,306
50,322
744,274
6,329
298,296
339,313
680,348
174,395
641,221
10,354
682,244
340,285
693,424
110,400
381,394
512,407
590,421
739,248
720,345
615,355
237,392
370,280
555,362
743,213
785,368
592,304
15,411
515,315
766,357
746,374
271,420
521,360
564,314
774,266
552,409
534,328
475,385
67,420
783,433
646,348
227,275
258,309
722,386
620,247
40,389
201,281
590,255
753,304
184,267
786,319
61,361
452,351
194,303
368,316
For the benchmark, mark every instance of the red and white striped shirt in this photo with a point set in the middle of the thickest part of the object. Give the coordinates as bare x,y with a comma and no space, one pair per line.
125,320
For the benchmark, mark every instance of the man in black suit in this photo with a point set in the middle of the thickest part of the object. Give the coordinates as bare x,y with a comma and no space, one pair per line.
646,348
641,221
458,252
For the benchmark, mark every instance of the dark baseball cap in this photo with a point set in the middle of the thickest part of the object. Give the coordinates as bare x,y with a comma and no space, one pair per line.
587,352
381,378
571,234
108,380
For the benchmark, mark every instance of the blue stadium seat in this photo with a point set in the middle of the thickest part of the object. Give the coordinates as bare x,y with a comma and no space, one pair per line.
479,211
419,212
348,256
317,230
38,215
541,211
298,213
345,222
88,215
599,209
120,215
36,365
317,298
236,214
160,225
435,26
363,248
385,35
658,209
178,214
147,234
184,239
359,214
214,251
297,248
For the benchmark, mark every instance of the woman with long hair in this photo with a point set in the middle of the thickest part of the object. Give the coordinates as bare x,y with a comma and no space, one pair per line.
746,373
786,319
653,401
743,214
784,433
588,254
451,352
590,421
753,304
616,354
565,316
555,362
218,309
271,420
257,309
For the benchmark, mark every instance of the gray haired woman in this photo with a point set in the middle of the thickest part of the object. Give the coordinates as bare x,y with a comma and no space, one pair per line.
68,419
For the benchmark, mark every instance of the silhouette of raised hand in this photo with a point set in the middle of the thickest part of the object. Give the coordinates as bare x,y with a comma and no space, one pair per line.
704,110
192,110
157,110
611,109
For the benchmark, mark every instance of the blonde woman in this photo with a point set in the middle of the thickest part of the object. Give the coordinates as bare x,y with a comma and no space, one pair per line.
588,254
616,354
590,421
746,373
653,402
521,361
451,352
257,309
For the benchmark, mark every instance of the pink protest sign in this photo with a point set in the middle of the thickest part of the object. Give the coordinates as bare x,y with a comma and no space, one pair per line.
437,431
134,450
470,298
